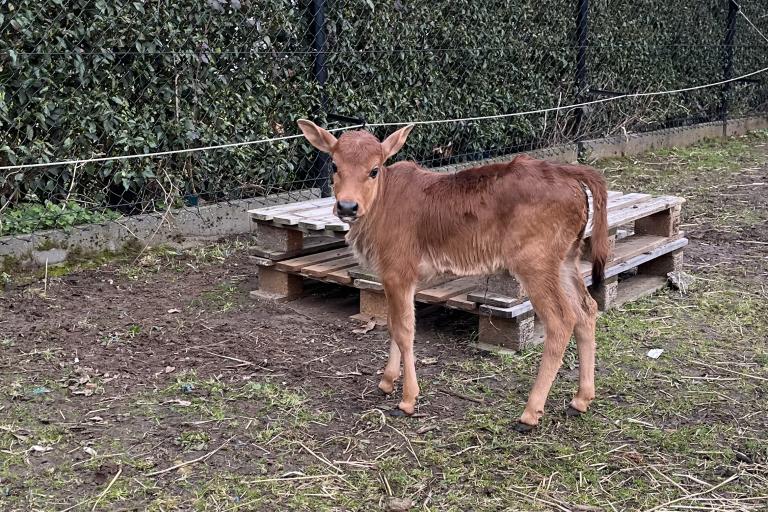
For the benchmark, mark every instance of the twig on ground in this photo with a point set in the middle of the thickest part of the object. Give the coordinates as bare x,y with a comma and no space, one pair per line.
691,496
193,461
462,396
105,491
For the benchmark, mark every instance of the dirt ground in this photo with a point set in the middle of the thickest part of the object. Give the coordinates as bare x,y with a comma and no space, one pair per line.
156,383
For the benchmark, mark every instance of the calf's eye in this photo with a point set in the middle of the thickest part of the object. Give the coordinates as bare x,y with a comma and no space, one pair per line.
374,172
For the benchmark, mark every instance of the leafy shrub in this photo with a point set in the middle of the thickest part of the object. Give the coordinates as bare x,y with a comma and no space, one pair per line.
28,217
90,78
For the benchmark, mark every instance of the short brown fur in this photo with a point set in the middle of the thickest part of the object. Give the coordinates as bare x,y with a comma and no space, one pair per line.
526,216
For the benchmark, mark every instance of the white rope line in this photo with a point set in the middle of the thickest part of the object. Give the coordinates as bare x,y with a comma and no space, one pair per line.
741,11
163,153
401,123
577,105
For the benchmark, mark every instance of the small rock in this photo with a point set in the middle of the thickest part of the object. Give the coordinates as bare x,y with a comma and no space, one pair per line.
680,280
398,504
52,256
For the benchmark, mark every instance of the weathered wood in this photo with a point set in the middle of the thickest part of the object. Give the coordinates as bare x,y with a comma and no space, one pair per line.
462,302
311,245
296,264
442,292
267,213
323,269
664,223
364,284
365,273
661,266
638,211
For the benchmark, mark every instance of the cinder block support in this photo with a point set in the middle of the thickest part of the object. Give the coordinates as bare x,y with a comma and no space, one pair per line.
506,333
505,284
277,285
607,294
373,305
666,223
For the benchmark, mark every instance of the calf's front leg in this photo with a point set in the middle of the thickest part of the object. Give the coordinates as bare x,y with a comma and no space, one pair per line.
401,319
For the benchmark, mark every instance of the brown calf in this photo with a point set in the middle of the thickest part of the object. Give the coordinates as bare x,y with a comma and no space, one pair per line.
526,216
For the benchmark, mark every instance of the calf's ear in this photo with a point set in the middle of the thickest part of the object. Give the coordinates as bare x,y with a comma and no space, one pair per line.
318,137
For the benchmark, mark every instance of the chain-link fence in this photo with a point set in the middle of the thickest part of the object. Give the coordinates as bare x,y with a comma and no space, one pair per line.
90,79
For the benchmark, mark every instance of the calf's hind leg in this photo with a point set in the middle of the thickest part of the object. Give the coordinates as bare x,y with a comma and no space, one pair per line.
554,309
585,308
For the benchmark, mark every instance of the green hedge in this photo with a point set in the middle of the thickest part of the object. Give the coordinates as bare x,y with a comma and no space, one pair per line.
85,78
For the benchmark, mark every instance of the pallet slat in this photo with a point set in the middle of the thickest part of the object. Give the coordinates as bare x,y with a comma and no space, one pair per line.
296,264
611,271
322,269
267,213
638,211
441,293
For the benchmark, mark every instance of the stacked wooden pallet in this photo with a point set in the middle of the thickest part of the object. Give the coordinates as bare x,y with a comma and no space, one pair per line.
305,240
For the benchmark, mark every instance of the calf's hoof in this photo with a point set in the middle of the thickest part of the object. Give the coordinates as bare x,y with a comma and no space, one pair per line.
572,412
403,409
386,387
524,428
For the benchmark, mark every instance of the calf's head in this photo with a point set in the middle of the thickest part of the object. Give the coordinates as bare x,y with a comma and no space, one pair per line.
358,157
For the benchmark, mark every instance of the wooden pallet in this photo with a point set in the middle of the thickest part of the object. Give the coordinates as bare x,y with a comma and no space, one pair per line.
645,238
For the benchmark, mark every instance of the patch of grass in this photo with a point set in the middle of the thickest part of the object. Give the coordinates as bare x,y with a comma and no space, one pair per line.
194,441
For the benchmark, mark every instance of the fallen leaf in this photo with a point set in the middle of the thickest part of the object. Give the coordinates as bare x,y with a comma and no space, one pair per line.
169,369
366,328
174,310
429,360
39,449
90,451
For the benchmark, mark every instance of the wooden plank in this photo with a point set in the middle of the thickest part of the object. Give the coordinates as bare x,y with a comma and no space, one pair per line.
267,213
493,299
441,293
628,247
322,269
635,261
365,274
363,284
461,302
613,270
296,264
293,218
312,245
626,201
638,211
340,276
